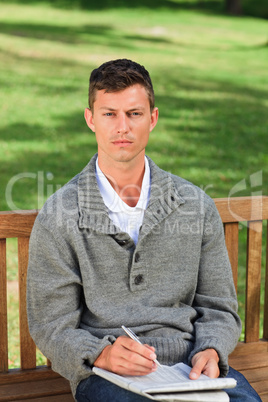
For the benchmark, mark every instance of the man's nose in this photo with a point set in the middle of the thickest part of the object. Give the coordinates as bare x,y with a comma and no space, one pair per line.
122,123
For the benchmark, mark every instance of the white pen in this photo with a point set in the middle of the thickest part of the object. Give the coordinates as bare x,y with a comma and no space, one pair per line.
133,336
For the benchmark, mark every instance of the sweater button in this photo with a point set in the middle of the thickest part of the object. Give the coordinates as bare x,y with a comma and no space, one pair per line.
138,280
122,242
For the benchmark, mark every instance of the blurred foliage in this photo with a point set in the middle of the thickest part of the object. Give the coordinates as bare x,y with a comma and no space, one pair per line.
255,8
249,7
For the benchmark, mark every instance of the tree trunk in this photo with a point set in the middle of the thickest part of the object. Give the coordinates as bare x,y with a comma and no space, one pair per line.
233,7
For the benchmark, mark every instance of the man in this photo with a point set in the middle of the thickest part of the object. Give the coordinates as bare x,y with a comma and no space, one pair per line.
127,243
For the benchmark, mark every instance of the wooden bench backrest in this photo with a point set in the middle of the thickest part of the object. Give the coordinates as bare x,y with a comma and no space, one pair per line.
16,225
253,210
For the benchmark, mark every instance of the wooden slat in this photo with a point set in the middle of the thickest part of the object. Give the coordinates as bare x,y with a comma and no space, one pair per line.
3,309
52,398
265,321
249,362
254,375
243,348
36,389
16,224
261,387
14,376
27,345
253,286
231,240
239,209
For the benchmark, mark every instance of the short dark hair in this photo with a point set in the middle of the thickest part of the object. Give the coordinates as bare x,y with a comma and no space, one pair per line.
117,75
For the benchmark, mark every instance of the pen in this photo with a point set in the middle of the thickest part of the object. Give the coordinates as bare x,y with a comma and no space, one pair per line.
133,336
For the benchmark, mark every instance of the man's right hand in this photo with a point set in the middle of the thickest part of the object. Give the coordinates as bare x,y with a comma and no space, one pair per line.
127,357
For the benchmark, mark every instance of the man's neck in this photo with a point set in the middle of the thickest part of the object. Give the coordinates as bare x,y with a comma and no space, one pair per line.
126,179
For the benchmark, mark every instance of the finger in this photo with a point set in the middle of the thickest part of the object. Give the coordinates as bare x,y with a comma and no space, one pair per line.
195,372
126,358
136,365
212,369
133,370
149,347
198,362
132,367
134,357
118,359
145,351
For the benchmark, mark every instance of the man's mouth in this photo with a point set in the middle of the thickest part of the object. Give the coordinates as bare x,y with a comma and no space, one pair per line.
122,143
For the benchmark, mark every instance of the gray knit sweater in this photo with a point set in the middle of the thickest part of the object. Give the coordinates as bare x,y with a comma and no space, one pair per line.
86,278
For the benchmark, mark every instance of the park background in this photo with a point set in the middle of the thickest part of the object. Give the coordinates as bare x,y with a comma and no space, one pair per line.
209,69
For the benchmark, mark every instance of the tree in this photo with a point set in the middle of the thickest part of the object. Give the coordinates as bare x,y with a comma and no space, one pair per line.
233,7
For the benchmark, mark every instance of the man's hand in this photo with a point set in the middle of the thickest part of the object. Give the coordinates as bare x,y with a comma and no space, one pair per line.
205,362
127,357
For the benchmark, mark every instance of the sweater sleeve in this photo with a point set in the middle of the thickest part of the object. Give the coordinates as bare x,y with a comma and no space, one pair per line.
218,325
55,305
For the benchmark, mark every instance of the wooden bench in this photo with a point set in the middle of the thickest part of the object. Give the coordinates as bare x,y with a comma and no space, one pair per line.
40,383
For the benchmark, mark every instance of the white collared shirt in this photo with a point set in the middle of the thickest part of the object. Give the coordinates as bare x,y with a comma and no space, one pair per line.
128,219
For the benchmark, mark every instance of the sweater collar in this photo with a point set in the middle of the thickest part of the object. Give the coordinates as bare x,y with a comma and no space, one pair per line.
93,214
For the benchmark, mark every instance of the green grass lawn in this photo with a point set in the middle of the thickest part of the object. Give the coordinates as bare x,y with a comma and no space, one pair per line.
210,77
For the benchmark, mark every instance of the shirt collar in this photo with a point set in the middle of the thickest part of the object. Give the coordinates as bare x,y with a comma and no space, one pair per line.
112,200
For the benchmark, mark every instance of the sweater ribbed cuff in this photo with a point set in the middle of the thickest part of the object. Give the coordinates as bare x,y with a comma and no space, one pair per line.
170,351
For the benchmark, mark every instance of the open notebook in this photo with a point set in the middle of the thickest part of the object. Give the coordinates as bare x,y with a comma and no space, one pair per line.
172,384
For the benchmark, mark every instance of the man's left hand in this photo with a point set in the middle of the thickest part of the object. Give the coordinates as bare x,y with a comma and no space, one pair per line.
205,362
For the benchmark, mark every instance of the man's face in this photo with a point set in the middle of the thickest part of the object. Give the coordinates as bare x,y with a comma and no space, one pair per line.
122,122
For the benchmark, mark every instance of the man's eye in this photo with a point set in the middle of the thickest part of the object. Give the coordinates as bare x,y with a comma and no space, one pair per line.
135,114
109,114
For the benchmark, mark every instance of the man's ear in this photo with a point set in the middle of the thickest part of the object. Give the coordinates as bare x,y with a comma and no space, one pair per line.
89,119
154,118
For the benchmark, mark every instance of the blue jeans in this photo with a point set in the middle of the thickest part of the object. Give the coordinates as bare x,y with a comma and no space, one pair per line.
97,389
